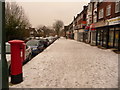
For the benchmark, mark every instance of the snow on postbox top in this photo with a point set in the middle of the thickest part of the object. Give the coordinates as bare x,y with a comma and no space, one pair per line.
16,41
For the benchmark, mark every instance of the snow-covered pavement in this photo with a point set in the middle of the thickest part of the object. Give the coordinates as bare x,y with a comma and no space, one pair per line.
71,64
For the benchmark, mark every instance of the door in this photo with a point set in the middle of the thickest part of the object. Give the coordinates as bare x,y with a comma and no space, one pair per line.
104,38
100,37
111,37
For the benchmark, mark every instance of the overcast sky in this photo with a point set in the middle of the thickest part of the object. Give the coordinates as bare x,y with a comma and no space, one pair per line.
45,13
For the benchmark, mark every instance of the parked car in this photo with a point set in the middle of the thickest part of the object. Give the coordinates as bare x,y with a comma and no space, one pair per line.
45,42
51,40
36,46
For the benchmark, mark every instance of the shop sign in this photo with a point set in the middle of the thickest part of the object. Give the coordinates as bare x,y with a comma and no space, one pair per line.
100,24
113,21
84,23
81,30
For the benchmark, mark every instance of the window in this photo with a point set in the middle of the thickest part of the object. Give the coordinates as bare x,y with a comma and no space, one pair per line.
108,10
100,13
95,19
100,0
90,7
117,7
95,5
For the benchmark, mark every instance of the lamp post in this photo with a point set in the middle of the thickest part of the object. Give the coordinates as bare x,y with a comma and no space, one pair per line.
3,61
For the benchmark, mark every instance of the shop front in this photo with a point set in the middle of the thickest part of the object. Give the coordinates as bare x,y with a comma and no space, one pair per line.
114,33
114,37
93,37
102,36
108,36
102,32
85,34
105,37
81,31
93,34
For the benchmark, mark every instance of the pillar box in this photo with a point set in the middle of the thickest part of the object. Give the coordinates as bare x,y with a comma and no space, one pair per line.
16,60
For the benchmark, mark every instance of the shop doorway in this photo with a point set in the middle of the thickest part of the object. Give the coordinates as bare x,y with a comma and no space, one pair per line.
100,37
111,38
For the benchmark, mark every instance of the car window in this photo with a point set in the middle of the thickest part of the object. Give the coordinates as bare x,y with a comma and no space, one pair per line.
32,43
40,43
7,48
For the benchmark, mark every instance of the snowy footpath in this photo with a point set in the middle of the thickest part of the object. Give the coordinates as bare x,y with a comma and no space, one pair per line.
71,64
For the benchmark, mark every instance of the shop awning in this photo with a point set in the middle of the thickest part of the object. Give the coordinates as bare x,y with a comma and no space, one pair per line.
87,28
92,27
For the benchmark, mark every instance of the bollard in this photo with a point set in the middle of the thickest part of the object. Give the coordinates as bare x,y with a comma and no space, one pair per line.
16,61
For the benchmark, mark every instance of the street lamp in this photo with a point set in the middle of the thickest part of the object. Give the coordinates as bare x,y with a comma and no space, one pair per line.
3,61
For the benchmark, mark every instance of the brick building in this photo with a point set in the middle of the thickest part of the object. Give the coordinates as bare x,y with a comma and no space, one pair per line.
98,24
80,24
108,25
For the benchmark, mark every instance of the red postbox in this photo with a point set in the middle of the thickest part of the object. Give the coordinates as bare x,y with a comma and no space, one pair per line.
17,57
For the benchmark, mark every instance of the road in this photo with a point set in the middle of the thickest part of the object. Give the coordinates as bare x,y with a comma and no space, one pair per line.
71,64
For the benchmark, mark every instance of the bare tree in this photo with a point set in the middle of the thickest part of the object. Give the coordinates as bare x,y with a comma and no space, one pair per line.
16,21
58,25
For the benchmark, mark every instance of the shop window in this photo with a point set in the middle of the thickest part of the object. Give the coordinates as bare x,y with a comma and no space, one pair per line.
116,38
94,37
104,38
100,32
108,11
117,7
98,38
117,30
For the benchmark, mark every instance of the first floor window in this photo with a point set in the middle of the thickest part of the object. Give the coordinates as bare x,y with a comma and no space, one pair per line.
101,13
108,10
117,7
